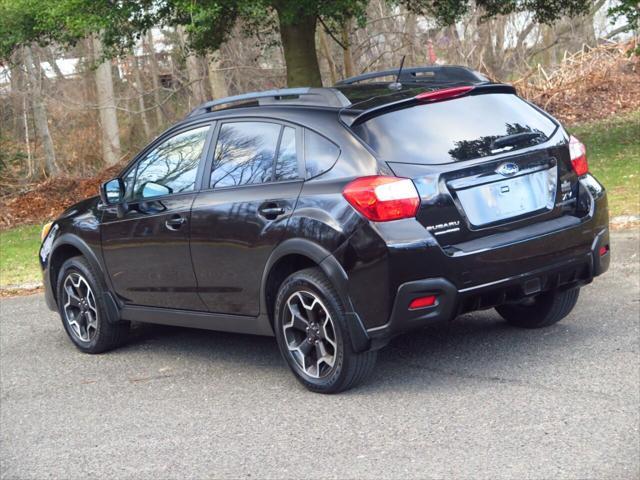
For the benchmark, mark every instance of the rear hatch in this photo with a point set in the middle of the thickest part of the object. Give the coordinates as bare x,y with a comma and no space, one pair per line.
483,163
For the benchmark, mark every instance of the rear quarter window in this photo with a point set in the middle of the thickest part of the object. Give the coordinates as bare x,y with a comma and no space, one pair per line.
320,154
455,130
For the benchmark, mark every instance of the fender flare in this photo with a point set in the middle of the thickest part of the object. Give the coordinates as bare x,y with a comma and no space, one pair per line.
113,310
333,270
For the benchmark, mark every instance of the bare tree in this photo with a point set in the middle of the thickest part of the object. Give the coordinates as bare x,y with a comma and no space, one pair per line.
106,106
139,85
50,166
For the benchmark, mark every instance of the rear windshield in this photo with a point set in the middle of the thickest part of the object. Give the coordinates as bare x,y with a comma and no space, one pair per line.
456,130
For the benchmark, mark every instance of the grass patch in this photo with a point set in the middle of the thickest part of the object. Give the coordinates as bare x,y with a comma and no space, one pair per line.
613,151
19,255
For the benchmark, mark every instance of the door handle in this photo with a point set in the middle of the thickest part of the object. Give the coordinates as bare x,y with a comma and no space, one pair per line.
271,211
175,222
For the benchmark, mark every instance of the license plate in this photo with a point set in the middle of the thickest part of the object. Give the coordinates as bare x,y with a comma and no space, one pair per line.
509,198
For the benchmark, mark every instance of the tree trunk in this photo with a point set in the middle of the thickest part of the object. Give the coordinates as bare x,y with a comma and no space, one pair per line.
194,73
51,57
299,45
107,107
349,70
411,37
17,96
40,118
217,82
140,95
155,78
326,52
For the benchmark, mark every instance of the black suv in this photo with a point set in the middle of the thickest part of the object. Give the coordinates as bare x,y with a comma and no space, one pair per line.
335,219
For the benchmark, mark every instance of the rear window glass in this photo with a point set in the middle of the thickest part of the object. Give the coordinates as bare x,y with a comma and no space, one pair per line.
456,130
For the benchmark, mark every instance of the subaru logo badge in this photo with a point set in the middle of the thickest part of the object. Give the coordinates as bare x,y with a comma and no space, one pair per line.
508,169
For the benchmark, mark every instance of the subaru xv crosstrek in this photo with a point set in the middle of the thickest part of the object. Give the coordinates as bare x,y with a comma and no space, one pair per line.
335,219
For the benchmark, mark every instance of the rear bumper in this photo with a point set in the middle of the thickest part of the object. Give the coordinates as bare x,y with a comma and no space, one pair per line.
557,254
451,301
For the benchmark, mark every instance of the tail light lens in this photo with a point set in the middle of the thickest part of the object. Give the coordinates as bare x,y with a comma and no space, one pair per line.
578,153
382,199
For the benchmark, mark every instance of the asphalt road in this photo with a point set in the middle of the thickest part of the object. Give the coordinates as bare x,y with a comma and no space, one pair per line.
473,398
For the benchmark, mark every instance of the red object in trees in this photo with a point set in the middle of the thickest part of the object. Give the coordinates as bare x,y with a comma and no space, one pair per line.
432,53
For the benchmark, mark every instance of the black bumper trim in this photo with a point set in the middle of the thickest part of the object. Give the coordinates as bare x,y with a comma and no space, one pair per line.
571,273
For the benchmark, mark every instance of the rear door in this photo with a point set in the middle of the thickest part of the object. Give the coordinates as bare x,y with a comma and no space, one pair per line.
252,183
482,163
146,249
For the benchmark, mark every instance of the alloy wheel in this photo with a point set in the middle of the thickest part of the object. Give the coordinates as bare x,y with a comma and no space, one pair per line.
310,334
80,309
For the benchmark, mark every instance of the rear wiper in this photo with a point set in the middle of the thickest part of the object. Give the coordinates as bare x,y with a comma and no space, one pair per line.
514,139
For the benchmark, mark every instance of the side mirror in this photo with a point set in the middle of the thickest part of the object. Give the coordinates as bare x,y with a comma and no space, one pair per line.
112,192
153,189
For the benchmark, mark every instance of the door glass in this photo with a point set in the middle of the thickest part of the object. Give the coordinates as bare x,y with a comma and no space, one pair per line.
172,166
287,163
244,154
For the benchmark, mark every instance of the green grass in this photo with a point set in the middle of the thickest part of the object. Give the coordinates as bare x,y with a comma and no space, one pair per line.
613,152
19,255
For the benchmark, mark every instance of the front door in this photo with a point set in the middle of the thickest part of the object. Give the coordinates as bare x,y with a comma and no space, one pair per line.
254,182
146,248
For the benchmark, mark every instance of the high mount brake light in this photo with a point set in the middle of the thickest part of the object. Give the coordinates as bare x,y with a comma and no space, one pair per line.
443,94
382,199
578,153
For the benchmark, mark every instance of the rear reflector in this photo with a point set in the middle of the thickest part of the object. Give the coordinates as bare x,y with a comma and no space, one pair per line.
578,153
443,94
422,302
382,198
604,250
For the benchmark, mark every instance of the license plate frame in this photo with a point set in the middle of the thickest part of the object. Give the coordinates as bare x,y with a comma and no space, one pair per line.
509,198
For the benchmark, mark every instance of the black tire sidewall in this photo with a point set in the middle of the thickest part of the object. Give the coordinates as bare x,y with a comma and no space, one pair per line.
80,266
549,308
301,281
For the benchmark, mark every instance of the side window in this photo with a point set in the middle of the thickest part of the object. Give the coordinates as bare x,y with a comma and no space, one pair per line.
319,153
287,162
172,166
129,180
244,154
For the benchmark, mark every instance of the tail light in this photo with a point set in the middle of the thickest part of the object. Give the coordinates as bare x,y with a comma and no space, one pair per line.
578,153
382,198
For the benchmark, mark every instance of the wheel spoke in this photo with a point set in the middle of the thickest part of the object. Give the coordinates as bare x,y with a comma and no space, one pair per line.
297,320
324,334
323,356
72,297
92,321
303,347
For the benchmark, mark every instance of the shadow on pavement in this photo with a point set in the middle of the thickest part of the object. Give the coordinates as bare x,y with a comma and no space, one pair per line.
478,345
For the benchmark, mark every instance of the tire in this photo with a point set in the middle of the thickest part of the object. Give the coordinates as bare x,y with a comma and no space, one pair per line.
319,334
83,311
542,311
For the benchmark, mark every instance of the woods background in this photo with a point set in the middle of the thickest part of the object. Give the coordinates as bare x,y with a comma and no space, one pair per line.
84,85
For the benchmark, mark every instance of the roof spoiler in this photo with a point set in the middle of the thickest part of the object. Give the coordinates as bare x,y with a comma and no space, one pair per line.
436,95
438,73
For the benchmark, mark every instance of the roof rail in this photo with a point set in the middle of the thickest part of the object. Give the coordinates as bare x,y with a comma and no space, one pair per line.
304,96
438,73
